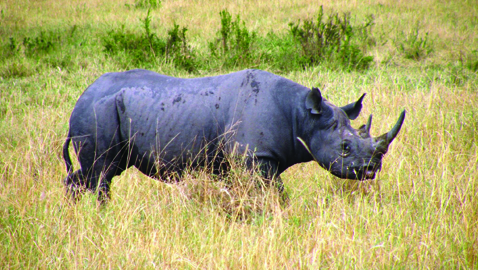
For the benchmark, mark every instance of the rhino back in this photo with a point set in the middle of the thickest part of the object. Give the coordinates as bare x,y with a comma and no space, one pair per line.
252,108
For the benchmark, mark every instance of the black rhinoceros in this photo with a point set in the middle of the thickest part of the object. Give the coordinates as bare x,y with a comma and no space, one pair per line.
162,124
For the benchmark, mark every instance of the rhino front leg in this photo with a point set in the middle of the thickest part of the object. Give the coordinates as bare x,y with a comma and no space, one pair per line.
268,169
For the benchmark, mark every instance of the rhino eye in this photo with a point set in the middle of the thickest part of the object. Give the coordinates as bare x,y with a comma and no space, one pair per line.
345,149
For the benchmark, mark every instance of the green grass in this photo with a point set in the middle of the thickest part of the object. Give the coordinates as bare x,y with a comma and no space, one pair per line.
420,212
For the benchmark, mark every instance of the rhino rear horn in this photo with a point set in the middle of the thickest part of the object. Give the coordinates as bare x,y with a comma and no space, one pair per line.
313,102
364,130
369,124
353,109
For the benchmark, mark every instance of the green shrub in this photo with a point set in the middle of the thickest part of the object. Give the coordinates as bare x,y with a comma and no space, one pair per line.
140,49
178,49
470,61
42,44
145,4
279,52
413,45
333,41
49,48
235,42
13,47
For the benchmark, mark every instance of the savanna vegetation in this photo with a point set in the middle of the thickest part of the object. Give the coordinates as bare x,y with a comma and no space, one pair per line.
420,212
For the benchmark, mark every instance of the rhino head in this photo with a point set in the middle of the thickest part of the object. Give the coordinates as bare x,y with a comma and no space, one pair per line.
344,151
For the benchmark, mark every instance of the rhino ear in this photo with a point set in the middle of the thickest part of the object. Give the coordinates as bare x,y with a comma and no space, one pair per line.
353,109
313,102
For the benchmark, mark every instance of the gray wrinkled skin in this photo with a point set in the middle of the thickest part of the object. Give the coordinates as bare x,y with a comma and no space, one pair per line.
162,124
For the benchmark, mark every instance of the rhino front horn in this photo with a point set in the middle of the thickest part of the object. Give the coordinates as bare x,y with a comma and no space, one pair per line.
387,138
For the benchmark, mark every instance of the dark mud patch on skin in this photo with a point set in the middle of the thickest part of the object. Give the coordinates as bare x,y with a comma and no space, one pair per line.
251,80
177,99
255,87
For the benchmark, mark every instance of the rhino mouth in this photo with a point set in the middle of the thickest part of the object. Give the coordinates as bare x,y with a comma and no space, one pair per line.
368,171
362,173
366,174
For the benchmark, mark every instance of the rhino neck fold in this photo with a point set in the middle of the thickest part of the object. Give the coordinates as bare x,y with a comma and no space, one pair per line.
301,134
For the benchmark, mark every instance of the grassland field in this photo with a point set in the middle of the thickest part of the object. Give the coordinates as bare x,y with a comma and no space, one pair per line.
421,212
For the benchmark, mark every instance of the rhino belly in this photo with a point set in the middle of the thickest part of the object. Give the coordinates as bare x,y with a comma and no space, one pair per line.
165,134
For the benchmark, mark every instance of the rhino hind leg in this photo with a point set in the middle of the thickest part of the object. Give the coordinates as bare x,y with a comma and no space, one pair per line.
74,185
99,164
77,183
100,180
109,163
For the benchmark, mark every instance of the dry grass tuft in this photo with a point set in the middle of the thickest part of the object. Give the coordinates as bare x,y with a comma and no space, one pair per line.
241,196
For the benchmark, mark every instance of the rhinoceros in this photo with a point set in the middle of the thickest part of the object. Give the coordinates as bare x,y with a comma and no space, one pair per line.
162,125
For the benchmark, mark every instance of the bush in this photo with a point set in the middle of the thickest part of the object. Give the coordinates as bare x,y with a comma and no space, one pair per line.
413,45
333,41
145,4
179,50
279,53
50,48
235,42
138,48
470,61
141,49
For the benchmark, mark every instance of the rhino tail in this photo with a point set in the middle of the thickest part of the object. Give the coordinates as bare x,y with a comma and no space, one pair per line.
66,154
